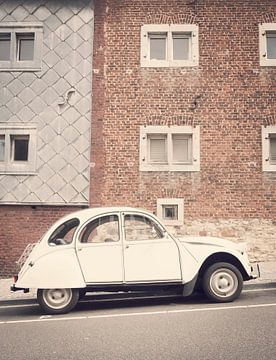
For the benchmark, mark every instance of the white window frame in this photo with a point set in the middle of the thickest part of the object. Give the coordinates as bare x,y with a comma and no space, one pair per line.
263,29
14,28
9,166
171,202
148,29
169,131
267,131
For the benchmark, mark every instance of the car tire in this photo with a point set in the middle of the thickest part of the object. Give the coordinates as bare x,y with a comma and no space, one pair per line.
57,301
222,282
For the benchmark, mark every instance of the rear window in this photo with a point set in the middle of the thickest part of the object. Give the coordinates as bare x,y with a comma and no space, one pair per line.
64,234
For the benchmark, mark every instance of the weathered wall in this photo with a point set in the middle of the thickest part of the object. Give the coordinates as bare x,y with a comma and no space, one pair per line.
228,95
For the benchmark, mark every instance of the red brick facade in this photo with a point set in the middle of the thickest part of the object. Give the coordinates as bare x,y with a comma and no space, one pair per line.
228,95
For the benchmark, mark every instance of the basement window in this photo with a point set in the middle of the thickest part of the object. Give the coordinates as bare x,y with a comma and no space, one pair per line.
267,41
170,211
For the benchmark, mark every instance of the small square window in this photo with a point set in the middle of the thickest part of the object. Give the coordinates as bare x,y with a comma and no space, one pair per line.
5,46
170,211
20,147
164,45
2,147
25,46
269,147
267,41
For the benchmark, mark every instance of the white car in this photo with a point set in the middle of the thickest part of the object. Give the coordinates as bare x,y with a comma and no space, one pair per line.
127,249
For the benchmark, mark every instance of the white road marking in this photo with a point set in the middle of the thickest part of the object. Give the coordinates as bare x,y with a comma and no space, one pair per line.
146,313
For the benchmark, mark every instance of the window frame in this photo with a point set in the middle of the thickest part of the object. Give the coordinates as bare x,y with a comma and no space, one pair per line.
9,165
15,29
171,202
263,30
160,231
170,30
268,132
144,158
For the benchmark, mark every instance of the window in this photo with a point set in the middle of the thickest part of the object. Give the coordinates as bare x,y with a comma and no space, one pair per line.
17,149
102,230
169,148
139,228
267,35
169,45
171,211
269,147
20,46
63,235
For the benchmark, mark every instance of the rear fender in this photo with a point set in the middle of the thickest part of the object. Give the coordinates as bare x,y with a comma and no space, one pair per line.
56,269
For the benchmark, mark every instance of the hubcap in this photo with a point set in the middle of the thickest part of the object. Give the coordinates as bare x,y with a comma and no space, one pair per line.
57,298
224,282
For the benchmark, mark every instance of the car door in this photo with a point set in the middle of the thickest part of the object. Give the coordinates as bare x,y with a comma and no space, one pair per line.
99,250
150,254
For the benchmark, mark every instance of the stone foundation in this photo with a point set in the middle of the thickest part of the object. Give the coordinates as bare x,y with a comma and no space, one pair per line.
259,235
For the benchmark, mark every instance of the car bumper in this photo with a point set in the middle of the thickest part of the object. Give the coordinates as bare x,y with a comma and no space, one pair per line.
15,288
255,271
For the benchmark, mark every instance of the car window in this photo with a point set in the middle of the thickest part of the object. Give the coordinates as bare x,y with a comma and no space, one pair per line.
139,227
101,230
63,235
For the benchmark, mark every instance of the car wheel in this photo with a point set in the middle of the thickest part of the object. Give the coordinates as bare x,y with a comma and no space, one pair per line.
222,282
57,301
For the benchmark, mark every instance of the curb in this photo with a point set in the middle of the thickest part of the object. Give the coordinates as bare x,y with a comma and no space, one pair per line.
260,286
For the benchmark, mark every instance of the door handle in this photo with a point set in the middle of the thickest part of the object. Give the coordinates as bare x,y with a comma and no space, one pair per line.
127,246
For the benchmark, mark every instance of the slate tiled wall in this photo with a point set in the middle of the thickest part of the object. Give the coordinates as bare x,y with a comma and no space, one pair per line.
57,99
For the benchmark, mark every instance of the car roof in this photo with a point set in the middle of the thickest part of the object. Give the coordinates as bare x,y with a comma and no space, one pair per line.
86,214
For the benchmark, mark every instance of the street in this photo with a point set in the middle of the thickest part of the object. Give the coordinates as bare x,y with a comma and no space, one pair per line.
108,327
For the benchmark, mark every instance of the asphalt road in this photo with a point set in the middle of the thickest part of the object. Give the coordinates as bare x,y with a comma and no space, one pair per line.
158,328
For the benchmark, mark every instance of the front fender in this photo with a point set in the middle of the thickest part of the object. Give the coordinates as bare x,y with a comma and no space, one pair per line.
58,269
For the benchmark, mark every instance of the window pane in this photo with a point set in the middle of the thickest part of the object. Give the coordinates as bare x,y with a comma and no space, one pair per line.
181,44
5,45
273,148
2,147
182,148
64,233
20,147
158,148
102,230
25,46
141,228
170,212
271,44
158,46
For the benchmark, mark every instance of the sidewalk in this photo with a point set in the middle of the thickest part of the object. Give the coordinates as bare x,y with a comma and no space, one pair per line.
267,279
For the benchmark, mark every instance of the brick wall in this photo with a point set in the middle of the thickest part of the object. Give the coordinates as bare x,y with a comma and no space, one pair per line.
228,95
21,226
